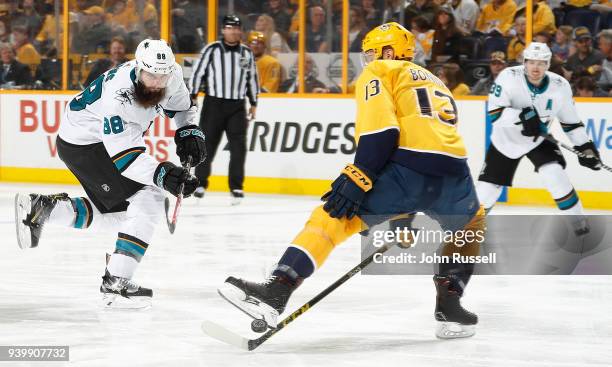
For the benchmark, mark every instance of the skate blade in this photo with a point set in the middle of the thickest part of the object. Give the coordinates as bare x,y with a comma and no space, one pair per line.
118,302
251,306
454,330
235,201
23,205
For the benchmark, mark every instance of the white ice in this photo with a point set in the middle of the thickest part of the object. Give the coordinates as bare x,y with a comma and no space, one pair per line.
49,296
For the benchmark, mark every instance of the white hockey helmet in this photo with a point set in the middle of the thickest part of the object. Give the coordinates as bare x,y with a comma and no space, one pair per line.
537,51
155,57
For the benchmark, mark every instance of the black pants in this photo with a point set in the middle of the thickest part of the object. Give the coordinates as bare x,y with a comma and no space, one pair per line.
103,183
219,115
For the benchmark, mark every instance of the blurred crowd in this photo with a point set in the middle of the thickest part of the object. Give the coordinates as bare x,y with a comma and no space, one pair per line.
465,42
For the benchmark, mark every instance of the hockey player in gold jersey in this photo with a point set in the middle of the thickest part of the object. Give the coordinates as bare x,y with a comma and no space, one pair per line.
410,158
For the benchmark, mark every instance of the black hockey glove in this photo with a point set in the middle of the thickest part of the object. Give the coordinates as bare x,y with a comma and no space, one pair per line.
532,125
347,193
190,143
592,160
170,177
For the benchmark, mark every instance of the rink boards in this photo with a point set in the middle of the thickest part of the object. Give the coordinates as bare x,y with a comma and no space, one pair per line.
296,145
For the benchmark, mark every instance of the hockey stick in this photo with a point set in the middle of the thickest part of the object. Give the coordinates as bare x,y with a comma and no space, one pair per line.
222,334
552,139
179,200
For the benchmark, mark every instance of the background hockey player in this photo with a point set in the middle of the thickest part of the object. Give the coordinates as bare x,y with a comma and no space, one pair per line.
522,102
101,141
409,158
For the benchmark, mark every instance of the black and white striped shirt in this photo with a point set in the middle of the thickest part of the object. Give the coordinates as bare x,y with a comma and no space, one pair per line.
227,72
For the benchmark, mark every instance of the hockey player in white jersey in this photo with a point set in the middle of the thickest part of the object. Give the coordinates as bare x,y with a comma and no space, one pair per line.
101,141
522,102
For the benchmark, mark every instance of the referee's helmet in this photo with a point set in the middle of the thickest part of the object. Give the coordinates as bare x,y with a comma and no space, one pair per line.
232,20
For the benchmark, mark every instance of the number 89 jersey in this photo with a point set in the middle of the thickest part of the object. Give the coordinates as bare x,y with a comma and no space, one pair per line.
393,94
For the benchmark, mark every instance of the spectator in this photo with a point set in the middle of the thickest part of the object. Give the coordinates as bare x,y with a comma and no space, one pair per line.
496,17
517,43
45,40
145,11
586,59
358,28
425,8
316,34
277,9
4,33
372,15
94,35
13,72
12,14
496,65
311,83
605,46
585,87
393,8
117,57
268,68
120,16
562,43
543,18
188,23
424,35
452,76
28,18
26,53
275,43
446,37
151,29
466,15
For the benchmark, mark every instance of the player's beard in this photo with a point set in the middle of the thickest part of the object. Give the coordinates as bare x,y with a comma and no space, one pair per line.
146,97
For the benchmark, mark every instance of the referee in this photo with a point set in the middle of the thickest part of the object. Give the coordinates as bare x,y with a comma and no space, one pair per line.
227,73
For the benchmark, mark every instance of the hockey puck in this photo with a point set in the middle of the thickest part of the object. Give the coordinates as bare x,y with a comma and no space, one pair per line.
259,326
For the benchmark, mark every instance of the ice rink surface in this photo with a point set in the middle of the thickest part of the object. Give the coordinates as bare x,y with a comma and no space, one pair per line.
49,296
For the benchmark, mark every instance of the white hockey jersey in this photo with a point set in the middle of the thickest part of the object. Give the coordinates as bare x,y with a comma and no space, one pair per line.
106,112
511,92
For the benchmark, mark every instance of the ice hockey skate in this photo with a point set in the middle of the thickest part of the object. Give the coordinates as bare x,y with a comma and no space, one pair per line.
453,320
237,196
265,300
31,213
123,293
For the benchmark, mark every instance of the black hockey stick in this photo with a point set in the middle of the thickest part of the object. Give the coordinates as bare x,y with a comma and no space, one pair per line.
552,139
220,333
179,200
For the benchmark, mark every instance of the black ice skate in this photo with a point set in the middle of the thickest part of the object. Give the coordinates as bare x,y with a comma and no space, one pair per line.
453,320
237,196
120,292
265,300
31,213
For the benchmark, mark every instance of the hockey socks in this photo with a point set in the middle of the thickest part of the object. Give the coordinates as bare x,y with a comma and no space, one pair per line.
129,251
294,264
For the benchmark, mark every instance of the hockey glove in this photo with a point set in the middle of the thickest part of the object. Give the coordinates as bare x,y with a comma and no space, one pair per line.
170,177
347,193
592,160
190,143
532,125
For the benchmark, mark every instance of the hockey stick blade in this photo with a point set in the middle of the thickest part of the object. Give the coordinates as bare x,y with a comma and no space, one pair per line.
552,139
222,334
179,201
171,226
